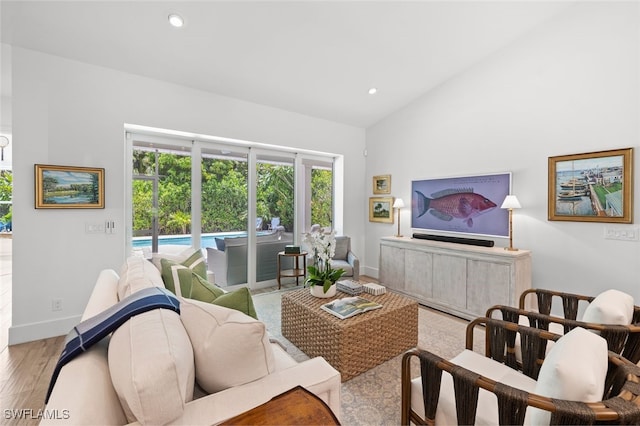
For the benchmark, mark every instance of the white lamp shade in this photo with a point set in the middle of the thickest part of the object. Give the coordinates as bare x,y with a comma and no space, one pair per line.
398,203
511,202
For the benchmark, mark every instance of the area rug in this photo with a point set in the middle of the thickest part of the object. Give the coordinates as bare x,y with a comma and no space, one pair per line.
373,398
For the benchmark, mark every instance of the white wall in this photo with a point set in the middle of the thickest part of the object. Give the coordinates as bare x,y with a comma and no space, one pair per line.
570,86
69,113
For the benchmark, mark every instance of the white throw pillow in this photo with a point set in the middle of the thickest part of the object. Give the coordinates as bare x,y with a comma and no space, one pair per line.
574,370
230,348
610,307
177,254
151,366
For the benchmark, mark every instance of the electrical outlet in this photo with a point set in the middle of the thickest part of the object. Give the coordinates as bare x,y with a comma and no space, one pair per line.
56,305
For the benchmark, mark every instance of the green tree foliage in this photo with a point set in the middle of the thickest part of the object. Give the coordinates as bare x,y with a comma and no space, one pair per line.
275,193
6,188
6,185
322,197
224,194
142,205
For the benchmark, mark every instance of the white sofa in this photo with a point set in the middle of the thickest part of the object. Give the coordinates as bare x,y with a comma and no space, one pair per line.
148,371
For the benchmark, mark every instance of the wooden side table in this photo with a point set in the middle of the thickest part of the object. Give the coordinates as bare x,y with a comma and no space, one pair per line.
296,272
297,406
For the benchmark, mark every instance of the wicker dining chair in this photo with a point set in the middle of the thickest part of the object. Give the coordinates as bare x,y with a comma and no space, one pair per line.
622,339
620,403
570,302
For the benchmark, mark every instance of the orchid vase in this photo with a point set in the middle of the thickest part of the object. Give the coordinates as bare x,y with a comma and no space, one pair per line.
321,277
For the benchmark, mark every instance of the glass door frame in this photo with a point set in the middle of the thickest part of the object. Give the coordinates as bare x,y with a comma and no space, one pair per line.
196,144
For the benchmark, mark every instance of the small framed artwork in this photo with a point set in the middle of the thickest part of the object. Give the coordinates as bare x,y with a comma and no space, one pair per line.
592,187
382,184
65,187
381,209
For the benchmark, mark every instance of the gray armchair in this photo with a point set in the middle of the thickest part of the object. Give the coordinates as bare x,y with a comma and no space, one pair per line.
343,258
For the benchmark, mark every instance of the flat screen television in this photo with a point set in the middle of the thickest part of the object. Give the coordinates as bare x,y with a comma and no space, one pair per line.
463,204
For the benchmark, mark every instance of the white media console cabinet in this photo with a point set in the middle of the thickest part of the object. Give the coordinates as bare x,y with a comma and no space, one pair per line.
462,280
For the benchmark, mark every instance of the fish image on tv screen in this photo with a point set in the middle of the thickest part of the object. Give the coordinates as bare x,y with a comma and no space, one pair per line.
465,204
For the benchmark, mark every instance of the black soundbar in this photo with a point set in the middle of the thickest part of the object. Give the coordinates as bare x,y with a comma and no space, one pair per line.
457,240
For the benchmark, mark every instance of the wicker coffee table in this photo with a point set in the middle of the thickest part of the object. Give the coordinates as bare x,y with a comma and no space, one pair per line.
353,345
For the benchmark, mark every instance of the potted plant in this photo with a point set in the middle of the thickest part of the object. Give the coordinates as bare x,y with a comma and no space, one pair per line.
321,277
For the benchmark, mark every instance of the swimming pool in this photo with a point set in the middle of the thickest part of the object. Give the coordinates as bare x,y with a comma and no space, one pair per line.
206,240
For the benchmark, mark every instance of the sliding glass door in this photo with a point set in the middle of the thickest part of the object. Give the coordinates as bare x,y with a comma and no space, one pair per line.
241,203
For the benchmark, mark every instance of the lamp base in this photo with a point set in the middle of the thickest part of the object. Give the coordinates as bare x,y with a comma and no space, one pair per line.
511,248
398,235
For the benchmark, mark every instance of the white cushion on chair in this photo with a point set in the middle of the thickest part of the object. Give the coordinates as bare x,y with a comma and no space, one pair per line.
610,307
487,413
575,369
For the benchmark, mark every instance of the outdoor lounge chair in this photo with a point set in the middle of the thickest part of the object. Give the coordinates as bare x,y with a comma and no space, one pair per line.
275,222
462,395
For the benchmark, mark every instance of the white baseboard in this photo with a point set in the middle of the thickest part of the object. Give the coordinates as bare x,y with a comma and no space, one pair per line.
371,272
42,330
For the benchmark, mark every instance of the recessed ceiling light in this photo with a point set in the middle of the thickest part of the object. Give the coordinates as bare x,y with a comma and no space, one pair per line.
176,20
373,91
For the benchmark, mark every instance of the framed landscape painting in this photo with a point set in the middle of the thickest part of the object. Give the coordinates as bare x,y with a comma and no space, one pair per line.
382,184
64,187
592,187
381,209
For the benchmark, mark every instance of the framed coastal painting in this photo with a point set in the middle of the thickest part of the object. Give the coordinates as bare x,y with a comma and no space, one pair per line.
381,209
592,187
66,187
382,184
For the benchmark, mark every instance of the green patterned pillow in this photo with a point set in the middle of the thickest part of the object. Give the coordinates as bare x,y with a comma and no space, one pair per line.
196,263
172,273
239,299
169,270
193,286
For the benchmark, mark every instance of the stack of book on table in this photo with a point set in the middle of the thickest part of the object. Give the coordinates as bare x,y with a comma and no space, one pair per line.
350,287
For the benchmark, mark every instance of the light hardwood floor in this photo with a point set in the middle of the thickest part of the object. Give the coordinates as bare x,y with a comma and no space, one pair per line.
25,369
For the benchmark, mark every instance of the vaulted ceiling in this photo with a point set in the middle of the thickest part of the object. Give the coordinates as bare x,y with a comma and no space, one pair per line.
317,58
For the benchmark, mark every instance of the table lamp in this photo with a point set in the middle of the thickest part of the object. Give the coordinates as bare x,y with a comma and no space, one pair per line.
511,202
398,204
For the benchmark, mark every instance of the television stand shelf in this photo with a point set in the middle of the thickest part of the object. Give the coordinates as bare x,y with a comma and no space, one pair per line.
459,279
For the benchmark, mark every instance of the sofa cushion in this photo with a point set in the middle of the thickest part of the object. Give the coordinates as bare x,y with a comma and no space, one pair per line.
220,244
151,367
487,413
170,270
342,248
137,274
239,299
566,375
610,307
230,348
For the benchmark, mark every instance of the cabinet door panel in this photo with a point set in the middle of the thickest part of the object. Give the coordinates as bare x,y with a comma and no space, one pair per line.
392,267
487,285
418,267
450,279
